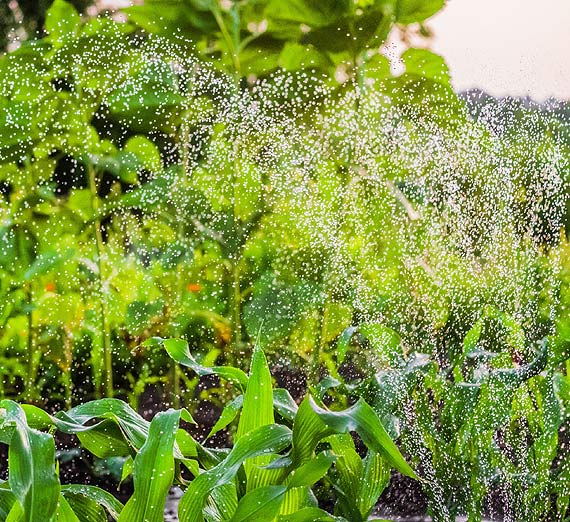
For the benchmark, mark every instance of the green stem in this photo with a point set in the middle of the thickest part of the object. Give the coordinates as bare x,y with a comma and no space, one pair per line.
182,181
68,352
319,346
236,309
105,327
30,378
175,383
232,43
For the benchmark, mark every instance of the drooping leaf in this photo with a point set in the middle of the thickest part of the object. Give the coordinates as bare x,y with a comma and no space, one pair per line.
179,351
97,495
313,423
229,413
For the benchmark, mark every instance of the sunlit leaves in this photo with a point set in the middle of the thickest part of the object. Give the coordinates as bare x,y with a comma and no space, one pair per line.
62,20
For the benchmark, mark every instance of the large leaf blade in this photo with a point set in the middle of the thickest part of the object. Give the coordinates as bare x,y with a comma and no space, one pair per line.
31,460
153,470
261,441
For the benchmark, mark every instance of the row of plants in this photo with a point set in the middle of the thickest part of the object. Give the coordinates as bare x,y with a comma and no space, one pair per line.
142,199
273,179
280,452
287,459
114,226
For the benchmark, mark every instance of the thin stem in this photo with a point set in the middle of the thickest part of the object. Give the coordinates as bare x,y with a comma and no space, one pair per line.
105,327
68,351
236,309
232,43
319,346
30,378
179,191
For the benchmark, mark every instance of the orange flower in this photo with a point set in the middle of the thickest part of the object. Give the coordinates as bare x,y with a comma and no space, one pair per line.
50,287
194,287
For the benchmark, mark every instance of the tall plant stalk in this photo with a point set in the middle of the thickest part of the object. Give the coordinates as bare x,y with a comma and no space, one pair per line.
31,348
105,329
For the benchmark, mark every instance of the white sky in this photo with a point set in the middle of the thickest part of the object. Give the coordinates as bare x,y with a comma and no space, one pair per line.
515,47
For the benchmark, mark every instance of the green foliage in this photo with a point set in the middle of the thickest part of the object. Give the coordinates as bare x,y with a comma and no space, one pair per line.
254,479
34,489
273,180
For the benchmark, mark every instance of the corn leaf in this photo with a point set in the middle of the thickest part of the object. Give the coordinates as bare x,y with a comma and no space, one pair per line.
284,404
374,479
310,514
229,413
362,419
260,504
179,351
7,500
261,441
31,462
66,514
257,411
73,492
312,471
153,470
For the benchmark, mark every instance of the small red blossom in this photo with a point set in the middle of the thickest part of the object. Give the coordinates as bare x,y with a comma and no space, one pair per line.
194,287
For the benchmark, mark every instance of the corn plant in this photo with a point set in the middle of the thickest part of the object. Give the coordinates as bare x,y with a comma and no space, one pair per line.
268,474
486,426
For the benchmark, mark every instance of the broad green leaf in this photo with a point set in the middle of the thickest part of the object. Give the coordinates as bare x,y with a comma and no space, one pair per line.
427,64
261,503
97,495
146,151
411,11
295,57
313,14
62,20
262,441
179,351
153,470
31,462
